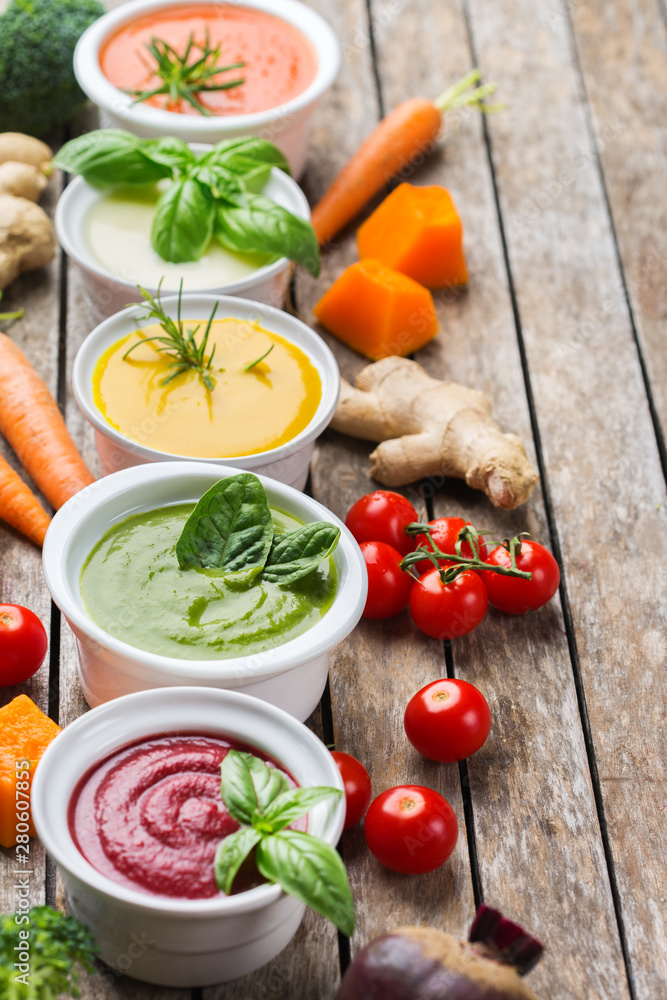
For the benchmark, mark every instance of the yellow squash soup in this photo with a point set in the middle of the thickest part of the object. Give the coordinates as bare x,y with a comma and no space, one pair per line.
247,412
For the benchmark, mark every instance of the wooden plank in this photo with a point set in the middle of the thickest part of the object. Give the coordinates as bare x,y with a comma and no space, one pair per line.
622,49
376,670
21,577
605,480
534,864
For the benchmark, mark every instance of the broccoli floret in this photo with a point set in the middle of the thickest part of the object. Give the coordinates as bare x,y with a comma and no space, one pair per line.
54,946
38,90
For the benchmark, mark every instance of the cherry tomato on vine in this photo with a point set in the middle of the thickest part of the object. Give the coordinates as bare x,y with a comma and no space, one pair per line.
448,610
447,720
382,516
388,585
411,829
517,596
444,534
358,792
23,644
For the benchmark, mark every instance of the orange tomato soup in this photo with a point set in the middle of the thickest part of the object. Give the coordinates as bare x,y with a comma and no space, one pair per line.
280,62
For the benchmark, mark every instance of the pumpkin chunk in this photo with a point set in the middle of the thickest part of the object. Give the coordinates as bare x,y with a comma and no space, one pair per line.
378,311
25,733
417,231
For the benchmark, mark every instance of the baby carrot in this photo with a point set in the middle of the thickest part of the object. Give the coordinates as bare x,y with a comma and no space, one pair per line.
406,133
31,422
19,506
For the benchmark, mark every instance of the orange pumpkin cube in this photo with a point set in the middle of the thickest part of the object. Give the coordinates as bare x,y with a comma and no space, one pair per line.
378,311
25,733
417,230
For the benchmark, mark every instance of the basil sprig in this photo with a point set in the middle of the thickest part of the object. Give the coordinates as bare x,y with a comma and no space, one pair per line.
212,195
305,866
231,531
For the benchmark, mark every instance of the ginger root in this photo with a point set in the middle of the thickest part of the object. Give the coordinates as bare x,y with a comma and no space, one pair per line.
433,428
27,237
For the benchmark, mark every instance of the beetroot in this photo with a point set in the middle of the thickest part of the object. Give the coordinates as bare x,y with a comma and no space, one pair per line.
422,963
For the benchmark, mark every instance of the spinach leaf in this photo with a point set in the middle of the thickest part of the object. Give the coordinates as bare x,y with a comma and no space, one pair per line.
230,529
183,221
299,552
307,868
108,158
248,786
261,225
231,853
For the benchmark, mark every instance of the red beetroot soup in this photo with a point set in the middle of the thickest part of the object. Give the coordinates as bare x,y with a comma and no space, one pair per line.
150,815
280,62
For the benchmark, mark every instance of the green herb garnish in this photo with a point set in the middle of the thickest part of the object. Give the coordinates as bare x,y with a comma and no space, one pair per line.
214,195
176,341
231,531
19,313
184,80
305,866
249,367
57,944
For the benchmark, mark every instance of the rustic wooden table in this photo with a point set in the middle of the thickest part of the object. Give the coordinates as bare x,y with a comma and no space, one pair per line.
562,813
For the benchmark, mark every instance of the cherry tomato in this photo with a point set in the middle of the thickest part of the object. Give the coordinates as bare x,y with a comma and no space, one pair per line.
23,644
382,517
411,829
517,596
444,534
358,792
447,720
447,611
389,586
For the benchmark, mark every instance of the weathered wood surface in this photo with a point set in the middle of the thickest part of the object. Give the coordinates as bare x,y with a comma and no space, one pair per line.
567,687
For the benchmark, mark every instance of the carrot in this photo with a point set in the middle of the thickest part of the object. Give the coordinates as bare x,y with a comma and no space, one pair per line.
405,134
19,506
31,422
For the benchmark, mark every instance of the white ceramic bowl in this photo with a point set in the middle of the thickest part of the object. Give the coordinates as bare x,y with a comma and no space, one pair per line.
287,463
109,291
167,941
292,675
285,125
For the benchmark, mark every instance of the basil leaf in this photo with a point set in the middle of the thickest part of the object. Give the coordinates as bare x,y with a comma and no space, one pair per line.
222,183
230,855
108,158
310,870
245,154
262,226
297,553
170,152
230,529
294,803
248,785
183,221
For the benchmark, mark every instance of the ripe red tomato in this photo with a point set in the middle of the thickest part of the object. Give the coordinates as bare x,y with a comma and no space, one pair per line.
382,517
358,792
447,720
389,586
517,596
23,644
411,829
444,534
447,611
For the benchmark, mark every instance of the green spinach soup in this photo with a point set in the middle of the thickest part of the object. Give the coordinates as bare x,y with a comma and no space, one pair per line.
135,588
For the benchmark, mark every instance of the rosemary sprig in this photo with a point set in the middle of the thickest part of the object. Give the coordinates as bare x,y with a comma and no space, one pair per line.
249,367
183,80
176,342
